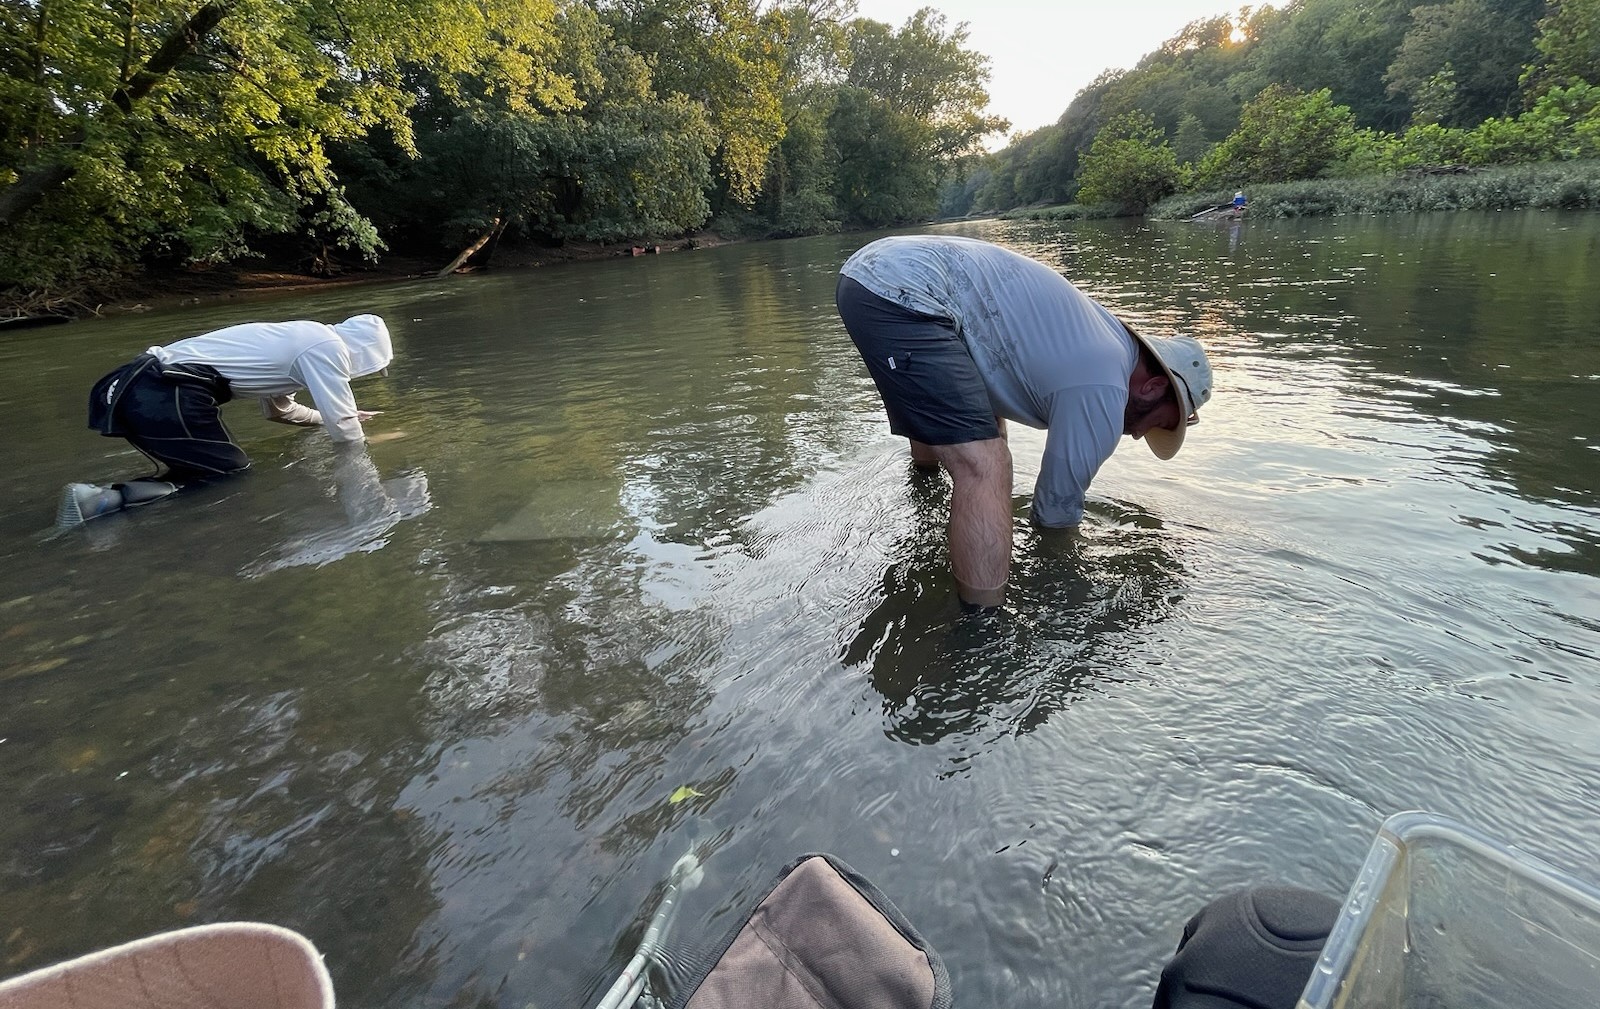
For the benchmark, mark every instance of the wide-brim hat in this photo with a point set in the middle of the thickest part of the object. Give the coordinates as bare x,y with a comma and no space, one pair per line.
230,965
1188,370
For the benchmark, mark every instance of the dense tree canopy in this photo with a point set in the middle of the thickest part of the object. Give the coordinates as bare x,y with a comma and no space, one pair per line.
331,130
1322,87
197,130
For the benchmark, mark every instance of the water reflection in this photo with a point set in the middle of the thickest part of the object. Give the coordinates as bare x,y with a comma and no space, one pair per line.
212,791
1078,602
671,543
370,506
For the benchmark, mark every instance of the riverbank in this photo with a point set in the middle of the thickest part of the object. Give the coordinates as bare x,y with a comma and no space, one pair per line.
1567,185
175,286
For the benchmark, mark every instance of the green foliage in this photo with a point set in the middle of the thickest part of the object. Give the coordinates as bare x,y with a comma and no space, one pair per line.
880,180
1568,44
130,131
1129,164
1459,61
798,198
1283,134
959,194
1563,125
725,55
1190,142
1035,168
149,128
626,163
907,115
1329,78
1566,186
927,73
1343,46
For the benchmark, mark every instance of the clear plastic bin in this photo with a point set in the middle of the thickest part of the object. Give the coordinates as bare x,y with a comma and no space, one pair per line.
1443,917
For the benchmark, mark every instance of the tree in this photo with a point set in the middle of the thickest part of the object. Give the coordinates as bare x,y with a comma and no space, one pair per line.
1283,134
1459,61
797,195
1190,142
1128,164
622,161
909,111
883,177
156,126
725,55
1568,46
924,72
1341,45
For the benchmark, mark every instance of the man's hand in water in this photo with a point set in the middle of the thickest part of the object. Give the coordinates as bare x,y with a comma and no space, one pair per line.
366,415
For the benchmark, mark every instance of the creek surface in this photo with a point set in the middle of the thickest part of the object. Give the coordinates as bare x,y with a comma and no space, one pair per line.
639,525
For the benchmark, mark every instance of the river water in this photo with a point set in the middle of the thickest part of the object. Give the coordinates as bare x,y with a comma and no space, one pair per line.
639,525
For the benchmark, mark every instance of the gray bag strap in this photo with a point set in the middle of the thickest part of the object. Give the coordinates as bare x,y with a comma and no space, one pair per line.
822,936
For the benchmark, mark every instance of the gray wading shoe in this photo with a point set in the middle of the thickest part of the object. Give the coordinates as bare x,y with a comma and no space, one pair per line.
81,502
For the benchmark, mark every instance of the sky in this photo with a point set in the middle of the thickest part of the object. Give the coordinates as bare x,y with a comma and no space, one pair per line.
1042,52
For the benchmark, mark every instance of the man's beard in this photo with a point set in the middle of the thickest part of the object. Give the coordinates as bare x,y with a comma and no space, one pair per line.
1138,409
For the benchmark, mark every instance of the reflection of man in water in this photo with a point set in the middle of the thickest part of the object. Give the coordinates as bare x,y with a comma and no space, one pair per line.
166,401
960,334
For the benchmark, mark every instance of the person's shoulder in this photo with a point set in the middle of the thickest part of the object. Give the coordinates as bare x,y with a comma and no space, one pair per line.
315,341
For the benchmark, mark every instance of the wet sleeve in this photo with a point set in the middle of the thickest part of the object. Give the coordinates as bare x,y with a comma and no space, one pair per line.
284,410
1085,423
325,372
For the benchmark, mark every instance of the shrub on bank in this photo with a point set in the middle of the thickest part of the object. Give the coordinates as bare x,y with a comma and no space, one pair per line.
1564,185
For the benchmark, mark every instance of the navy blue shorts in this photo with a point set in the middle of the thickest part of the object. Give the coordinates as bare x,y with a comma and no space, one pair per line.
171,414
930,385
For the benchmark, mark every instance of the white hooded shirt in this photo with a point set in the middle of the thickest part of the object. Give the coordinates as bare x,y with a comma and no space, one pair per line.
274,360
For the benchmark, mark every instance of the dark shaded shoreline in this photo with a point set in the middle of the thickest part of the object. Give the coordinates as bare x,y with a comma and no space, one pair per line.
160,289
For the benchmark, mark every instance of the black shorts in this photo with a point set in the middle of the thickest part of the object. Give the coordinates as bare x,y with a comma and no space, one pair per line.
930,385
171,414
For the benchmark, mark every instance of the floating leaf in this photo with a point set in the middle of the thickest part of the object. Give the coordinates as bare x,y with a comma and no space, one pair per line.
685,793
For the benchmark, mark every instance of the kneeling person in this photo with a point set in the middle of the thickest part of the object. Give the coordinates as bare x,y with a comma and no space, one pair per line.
166,401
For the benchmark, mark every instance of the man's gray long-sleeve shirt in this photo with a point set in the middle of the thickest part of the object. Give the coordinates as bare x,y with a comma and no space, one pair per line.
1050,356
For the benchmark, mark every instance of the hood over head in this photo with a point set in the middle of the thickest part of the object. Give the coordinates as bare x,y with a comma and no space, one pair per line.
367,339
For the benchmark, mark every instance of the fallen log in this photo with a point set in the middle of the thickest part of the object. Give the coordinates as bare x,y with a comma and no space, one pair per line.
471,250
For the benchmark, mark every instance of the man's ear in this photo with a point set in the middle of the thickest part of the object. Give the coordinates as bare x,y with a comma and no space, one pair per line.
1154,387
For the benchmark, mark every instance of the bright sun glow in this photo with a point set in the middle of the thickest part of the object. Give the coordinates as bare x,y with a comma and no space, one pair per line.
1238,35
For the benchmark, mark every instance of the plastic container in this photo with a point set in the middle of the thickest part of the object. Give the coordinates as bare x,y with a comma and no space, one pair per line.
1443,917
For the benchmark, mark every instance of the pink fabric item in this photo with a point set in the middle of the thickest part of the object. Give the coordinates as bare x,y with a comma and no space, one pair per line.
816,943
232,965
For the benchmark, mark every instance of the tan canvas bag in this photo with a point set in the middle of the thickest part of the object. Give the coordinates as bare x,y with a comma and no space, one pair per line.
823,937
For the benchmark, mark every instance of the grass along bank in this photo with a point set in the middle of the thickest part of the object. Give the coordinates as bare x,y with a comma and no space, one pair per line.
1564,185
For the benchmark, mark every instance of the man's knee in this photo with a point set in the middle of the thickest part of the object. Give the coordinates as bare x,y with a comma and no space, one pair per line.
979,461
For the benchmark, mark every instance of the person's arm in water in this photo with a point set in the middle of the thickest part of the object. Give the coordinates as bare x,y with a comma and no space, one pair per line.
325,372
284,410
1085,423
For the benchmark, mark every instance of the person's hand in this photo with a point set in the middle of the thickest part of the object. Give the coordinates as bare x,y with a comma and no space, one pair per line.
366,415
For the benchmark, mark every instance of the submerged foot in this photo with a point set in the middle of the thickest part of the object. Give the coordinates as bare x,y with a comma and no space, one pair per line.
81,502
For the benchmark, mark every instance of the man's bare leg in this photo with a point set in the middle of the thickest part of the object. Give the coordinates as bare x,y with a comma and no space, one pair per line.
924,457
980,518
